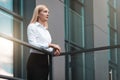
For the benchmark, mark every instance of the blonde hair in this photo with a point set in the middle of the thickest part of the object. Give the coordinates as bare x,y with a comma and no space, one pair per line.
37,10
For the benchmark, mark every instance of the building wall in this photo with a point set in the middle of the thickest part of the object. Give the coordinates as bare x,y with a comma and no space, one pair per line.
28,8
100,39
56,28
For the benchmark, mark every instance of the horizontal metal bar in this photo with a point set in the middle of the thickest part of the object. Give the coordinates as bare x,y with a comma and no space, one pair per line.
9,77
62,53
24,43
10,12
73,44
91,50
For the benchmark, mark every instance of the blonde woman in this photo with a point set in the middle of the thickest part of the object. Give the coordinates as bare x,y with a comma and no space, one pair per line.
38,35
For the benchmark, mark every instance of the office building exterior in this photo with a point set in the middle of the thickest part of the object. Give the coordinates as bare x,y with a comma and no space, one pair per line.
75,25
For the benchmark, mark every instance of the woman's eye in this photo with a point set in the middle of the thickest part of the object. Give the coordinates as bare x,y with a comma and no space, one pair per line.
46,11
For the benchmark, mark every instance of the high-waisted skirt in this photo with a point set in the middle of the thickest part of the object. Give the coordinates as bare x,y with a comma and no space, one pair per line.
37,67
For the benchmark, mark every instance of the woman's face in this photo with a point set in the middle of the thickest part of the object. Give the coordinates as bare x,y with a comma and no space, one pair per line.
43,15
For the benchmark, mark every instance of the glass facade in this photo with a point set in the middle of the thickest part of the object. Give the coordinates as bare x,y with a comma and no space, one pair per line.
11,24
74,38
82,66
6,60
112,25
8,4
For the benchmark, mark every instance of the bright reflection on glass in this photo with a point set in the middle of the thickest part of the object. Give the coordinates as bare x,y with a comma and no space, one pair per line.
7,4
3,1
6,46
6,54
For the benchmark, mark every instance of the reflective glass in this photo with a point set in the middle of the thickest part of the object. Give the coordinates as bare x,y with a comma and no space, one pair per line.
6,46
7,4
75,39
76,22
76,31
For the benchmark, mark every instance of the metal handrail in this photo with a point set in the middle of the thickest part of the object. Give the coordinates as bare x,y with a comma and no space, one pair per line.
92,49
27,45
49,53
62,53
24,43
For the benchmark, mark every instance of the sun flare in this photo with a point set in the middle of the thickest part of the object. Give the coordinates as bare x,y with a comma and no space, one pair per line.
6,50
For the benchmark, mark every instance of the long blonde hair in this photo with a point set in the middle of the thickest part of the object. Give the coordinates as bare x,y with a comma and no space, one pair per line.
37,10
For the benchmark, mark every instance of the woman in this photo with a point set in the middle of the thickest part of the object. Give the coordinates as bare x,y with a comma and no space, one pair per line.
38,35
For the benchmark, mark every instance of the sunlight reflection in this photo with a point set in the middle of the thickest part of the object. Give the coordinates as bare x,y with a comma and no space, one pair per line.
3,1
6,57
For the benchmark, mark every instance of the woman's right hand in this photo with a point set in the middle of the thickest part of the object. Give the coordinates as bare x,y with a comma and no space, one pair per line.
55,46
56,52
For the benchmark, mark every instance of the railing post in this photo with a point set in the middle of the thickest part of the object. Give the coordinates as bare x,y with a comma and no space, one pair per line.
51,67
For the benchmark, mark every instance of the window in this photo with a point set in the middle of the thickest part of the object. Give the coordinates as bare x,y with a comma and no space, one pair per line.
8,4
112,29
11,24
112,25
74,38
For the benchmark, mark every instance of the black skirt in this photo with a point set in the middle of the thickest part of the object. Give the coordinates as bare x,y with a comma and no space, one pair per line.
37,67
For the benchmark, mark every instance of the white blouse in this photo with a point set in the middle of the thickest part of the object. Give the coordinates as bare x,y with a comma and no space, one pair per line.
39,36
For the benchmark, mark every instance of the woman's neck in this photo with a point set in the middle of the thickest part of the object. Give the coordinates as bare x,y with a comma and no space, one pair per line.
41,22
44,23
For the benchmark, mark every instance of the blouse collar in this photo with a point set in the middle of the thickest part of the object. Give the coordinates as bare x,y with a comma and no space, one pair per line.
40,25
